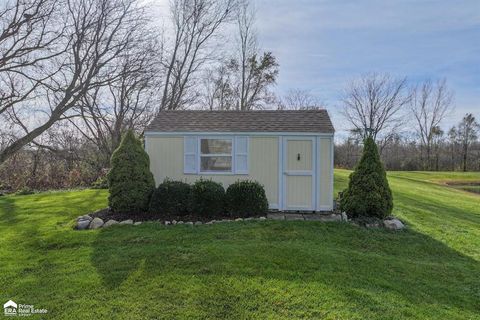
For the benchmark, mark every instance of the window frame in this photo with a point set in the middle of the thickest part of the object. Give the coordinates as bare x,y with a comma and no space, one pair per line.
200,154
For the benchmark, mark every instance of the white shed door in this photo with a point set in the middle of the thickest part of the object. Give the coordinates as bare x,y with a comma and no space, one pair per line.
298,173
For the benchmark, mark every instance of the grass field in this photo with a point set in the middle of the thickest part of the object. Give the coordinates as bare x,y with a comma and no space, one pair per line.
264,270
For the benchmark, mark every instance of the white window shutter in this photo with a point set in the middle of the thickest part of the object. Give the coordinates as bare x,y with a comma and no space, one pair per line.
190,154
241,155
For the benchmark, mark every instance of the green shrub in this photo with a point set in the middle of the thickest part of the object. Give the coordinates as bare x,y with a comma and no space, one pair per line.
100,183
208,198
130,181
172,198
368,193
24,191
246,198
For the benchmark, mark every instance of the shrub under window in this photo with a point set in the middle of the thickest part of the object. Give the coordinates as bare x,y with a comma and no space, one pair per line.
208,198
171,198
246,198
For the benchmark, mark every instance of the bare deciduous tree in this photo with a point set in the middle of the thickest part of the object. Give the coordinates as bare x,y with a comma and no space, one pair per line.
373,104
195,23
128,102
94,33
467,133
298,99
430,104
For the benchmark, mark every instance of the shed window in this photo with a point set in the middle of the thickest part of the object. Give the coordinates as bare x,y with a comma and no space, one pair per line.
216,155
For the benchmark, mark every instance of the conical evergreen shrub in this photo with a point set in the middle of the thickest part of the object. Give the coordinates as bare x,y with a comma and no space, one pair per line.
368,193
130,181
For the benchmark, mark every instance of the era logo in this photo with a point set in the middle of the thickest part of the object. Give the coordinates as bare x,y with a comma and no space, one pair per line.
10,308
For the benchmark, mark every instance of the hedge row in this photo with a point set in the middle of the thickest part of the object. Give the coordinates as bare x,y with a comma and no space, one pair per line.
208,198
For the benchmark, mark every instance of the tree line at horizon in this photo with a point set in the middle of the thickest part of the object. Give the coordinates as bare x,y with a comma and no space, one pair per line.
76,74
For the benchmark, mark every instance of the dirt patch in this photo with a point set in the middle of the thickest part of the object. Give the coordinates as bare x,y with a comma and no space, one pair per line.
469,186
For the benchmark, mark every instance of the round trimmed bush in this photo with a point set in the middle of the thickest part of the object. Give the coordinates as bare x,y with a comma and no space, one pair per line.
208,198
171,198
130,181
246,198
368,193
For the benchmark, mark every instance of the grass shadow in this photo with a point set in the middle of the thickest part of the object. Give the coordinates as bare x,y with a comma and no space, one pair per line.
355,262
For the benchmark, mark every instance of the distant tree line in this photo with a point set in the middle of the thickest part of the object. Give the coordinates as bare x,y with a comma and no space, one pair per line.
406,122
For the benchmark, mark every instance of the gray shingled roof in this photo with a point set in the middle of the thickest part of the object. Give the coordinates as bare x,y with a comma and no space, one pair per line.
311,121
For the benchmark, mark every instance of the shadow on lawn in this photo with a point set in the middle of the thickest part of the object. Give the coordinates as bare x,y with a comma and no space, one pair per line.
358,263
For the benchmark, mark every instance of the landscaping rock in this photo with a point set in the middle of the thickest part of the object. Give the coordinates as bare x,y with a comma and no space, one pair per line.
167,223
198,222
129,221
174,221
210,222
344,216
82,224
96,223
110,223
393,224
249,219
137,223
180,222
85,217
239,219
262,218
372,225
189,223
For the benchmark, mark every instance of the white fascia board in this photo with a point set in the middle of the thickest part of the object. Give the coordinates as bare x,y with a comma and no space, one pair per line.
212,133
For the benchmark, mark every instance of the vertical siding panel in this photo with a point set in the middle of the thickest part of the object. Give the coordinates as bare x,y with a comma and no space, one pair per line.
166,160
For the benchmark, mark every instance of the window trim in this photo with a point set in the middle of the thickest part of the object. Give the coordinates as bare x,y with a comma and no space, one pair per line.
200,154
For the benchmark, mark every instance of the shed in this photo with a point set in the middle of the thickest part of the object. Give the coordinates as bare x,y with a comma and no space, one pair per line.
289,152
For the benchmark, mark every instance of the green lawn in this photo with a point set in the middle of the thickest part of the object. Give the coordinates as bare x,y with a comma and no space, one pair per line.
264,270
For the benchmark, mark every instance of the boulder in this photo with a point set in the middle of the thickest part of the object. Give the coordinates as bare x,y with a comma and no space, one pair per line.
85,217
82,224
96,223
129,221
110,223
393,224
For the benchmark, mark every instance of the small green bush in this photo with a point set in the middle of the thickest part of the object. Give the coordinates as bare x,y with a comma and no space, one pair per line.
246,198
368,193
130,181
172,198
24,191
208,198
100,183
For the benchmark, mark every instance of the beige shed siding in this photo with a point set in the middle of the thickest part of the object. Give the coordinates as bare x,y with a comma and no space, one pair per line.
166,160
325,172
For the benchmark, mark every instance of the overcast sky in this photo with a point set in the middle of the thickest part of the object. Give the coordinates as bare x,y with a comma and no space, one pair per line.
321,44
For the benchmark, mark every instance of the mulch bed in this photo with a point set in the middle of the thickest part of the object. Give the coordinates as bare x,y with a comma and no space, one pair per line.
108,214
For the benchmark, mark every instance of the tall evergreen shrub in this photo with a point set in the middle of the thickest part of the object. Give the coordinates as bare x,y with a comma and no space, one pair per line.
368,193
130,181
